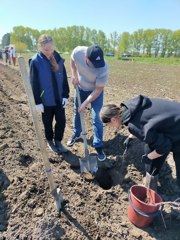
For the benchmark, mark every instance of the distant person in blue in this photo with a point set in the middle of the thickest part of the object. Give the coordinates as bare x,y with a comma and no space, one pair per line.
154,121
1,55
7,56
89,72
51,91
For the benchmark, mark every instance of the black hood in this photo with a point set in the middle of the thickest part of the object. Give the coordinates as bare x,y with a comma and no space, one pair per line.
132,106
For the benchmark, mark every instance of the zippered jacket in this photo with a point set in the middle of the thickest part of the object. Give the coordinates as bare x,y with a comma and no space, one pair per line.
48,87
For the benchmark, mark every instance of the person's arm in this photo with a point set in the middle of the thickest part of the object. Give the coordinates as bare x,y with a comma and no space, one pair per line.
95,94
159,142
74,76
65,84
161,145
101,81
34,80
147,159
153,155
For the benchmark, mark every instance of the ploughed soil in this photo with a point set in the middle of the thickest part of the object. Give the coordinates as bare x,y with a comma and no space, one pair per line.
94,207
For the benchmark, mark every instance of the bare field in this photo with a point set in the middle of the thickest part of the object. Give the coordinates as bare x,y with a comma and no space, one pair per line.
94,209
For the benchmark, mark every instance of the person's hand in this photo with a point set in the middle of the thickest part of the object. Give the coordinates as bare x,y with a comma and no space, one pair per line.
82,107
147,162
127,142
65,102
74,81
39,108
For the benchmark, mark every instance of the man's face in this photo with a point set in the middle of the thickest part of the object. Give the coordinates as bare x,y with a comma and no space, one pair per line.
47,49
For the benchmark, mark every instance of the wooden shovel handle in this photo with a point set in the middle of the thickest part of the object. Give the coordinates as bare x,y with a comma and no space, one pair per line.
82,125
42,144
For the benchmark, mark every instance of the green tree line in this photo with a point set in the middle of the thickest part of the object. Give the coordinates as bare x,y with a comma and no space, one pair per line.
157,42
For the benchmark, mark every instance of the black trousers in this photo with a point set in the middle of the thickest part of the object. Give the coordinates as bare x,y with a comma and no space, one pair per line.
158,162
57,131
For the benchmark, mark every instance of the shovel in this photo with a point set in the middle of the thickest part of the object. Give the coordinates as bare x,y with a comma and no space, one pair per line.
58,197
89,163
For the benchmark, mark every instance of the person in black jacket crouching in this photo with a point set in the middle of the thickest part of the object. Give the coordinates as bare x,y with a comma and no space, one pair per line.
154,121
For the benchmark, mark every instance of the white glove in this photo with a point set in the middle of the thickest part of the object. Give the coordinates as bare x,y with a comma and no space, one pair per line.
65,102
40,108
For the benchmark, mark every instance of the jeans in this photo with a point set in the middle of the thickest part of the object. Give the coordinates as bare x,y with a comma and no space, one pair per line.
96,106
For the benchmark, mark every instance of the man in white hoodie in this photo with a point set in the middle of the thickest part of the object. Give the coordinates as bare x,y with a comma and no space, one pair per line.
13,55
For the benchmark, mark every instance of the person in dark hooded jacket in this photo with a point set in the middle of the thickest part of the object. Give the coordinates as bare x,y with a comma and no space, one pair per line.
154,121
51,91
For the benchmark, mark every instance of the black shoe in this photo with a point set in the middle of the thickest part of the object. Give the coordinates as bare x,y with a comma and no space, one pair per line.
100,154
72,140
51,146
60,147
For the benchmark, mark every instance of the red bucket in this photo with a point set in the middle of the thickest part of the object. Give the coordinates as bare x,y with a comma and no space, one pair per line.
141,213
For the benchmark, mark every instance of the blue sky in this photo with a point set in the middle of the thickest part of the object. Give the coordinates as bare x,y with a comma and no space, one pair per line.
105,15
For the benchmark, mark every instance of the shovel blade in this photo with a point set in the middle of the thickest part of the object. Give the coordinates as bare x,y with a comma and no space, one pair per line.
88,165
58,196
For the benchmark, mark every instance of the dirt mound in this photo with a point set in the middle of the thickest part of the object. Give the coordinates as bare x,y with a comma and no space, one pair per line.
94,208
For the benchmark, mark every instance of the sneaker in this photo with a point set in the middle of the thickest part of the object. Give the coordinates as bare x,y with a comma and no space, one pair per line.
51,146
73,139
100,154
60,147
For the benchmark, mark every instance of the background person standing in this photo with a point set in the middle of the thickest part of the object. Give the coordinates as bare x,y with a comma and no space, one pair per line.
51,91
89,73
1,54
13,55
7,56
